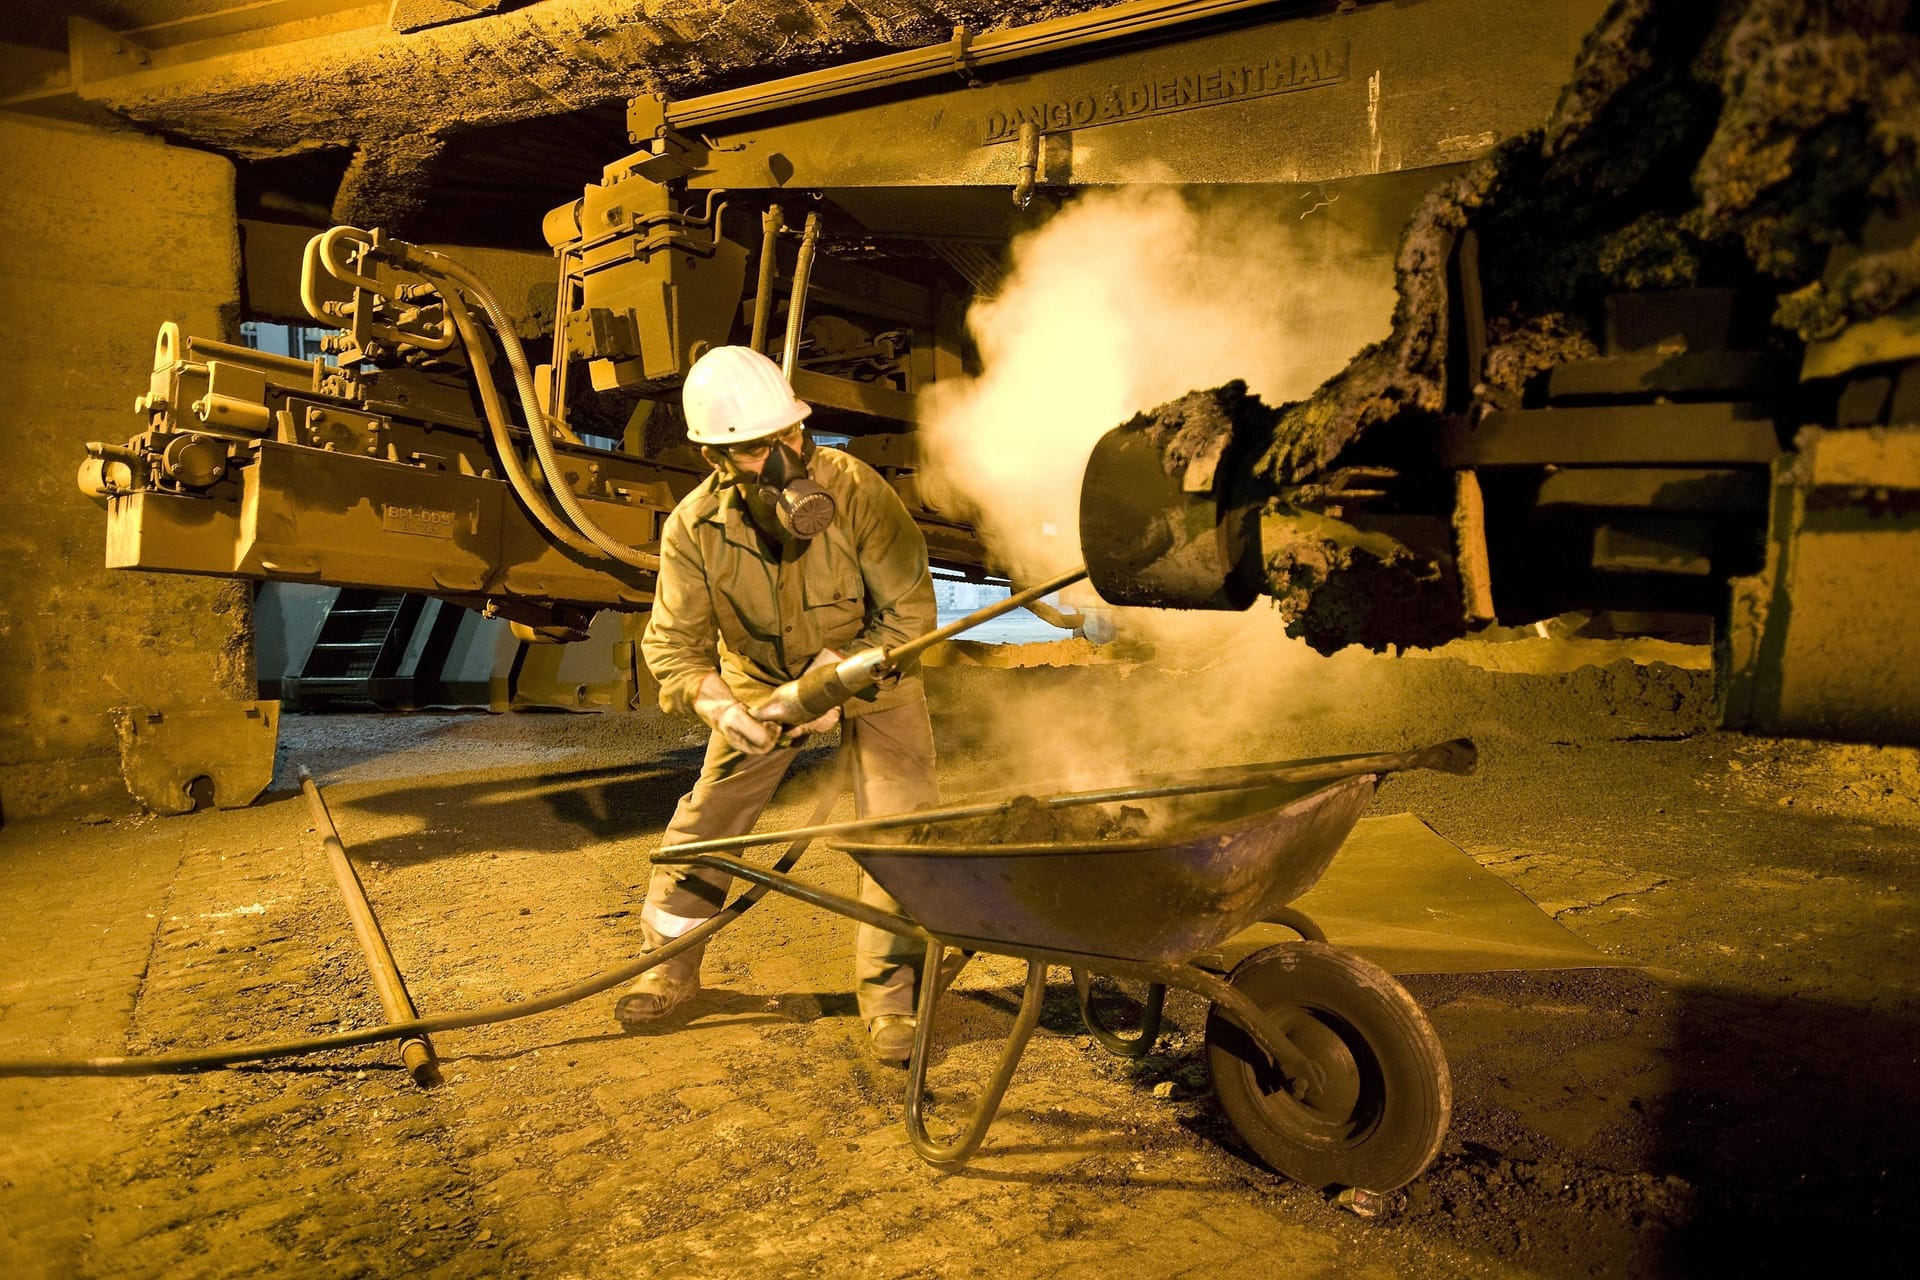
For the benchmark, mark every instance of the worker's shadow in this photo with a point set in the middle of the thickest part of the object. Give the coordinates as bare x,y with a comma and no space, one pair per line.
555,812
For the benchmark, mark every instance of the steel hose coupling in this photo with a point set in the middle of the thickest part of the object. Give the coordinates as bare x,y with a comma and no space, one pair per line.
824,688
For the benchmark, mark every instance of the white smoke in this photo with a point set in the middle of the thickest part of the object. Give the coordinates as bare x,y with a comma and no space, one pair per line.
1122,301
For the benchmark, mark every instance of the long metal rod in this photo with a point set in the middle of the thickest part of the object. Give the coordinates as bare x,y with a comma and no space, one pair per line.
797,295
1458,755
1451,757
415,1051
213,349
770,224
965,53
1018,600
557,380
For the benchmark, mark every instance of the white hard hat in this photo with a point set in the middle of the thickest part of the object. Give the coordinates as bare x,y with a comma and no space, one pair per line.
734,395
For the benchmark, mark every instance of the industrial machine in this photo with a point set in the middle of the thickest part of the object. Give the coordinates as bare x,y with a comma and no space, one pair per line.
866,204
844,219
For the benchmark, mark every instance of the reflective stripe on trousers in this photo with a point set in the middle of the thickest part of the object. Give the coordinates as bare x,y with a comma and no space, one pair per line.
893,771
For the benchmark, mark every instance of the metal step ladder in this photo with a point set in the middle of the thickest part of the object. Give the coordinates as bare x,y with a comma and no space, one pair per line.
355,660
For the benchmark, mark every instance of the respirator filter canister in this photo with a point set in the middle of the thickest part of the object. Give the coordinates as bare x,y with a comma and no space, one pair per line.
802,504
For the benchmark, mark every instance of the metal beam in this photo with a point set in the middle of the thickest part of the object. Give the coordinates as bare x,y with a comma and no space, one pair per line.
1741,491
1663,435
965,56
869,398
1302,95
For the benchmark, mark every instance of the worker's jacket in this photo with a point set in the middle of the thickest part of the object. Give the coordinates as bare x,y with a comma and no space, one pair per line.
725,599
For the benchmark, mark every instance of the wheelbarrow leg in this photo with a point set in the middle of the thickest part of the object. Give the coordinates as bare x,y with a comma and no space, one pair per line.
955,1153
1135,1046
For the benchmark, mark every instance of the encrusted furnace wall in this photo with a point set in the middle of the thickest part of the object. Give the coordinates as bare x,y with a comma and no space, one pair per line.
102,237
1821,643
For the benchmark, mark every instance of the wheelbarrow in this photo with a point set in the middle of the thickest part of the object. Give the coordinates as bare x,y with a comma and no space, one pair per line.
1324,1064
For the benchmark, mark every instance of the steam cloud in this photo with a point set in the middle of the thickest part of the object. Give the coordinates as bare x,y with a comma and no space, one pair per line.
1122,301
1125,300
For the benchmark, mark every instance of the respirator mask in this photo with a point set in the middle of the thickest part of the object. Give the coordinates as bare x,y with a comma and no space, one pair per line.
785,500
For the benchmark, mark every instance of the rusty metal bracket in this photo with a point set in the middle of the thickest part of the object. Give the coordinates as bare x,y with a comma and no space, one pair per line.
963,64
182,758
98,52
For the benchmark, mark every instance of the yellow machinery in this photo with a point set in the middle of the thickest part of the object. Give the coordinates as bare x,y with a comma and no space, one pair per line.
427,453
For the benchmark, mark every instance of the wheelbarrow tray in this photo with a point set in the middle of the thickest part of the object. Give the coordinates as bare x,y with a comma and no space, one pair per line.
1164,898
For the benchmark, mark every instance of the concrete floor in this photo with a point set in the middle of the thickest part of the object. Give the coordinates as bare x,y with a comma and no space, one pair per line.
1743,1101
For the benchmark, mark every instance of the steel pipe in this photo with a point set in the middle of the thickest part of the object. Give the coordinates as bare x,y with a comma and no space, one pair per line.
416,1051
965,54
770,226
1019,599
797,295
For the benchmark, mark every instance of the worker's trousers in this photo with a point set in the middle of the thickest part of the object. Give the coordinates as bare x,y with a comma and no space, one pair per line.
893,771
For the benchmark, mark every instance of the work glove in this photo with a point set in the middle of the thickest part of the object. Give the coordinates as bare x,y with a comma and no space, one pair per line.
782,710
727,716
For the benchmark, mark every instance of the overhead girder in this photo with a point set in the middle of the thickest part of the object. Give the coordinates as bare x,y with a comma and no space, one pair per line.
1293,94
1330,89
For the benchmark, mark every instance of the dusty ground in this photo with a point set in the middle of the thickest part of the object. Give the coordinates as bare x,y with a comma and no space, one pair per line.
1744,1101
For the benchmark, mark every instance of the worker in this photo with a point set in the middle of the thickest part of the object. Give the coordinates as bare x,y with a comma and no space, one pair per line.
786,557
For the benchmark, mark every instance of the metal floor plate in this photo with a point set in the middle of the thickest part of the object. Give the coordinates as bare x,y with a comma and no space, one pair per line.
1411,901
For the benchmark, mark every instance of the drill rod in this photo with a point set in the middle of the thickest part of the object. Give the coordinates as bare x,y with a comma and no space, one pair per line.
918,644
415,1051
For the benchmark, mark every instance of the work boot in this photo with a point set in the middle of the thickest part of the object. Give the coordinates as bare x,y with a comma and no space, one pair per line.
653,997
891,1037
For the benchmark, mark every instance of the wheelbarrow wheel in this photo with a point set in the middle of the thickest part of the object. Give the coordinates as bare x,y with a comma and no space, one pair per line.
1376,1118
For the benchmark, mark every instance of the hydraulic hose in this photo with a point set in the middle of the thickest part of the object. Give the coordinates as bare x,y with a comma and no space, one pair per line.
537,423
208,1059
503,445
442,267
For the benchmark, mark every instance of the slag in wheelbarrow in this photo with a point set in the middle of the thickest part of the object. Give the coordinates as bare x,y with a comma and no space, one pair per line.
1211,870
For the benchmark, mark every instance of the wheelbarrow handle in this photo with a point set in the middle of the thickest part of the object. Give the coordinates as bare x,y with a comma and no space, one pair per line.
813,895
